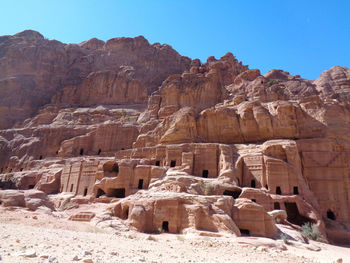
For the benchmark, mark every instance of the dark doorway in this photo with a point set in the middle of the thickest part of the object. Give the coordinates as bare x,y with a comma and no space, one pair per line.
40,157
99,193
56,152
278,190
123,149
254,200
71,188
157,163
99,151
140,184
245,232
276,206
2,169
293,215
21,169
235,194
330,215
165,226
85,191
115,168
205,173
295,190
173,163
267,187
31,186
81,151
252,183
118,192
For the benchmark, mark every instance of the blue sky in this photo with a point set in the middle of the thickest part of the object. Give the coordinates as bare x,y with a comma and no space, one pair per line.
302,37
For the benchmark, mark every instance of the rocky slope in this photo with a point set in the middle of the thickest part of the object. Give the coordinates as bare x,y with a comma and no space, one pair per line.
181,146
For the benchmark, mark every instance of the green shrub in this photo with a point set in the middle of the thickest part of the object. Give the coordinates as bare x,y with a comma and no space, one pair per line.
312,232
272,82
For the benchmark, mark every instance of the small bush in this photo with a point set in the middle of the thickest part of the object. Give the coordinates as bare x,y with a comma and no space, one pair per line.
312,232
284,238
272,82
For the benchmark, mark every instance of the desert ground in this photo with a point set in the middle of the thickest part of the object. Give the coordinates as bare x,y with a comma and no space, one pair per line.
45,236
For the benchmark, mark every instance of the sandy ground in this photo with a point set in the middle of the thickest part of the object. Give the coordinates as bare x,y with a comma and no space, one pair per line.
45,237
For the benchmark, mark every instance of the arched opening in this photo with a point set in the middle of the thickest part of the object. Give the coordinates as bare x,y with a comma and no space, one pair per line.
205,173
125,212
330,214
276,206
157,163
85,191
172,163
165,226
245,232
293,215
31,186
140,186
71,188
295,190
81,151
115,168
99,151
278,190
254,200
117,192
235,194
252,183
100,192
40,157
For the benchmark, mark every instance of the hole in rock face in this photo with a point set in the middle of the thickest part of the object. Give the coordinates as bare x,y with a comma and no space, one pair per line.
118,192
252,183
205,173
85,191
99,151
40,157
21,169
295,190
254,200
157,163
123,149
245,232
31,186
330,215
276,206
71,188
165,226
293,215
278,190
235,194
81,151
172,163
115,168
267,187
2,169
99,193
56,152
140,184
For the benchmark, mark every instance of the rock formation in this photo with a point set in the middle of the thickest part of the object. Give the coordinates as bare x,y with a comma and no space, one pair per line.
213,148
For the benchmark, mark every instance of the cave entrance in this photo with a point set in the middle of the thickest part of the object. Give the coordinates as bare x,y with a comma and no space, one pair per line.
118,192
278,190
252,183
115,168
165,226
81,151
295,190
276,206
140,184
99,151
245,232
40,157
205,173
100,192
85,191
31,186
293,215
172,163
330,214
157,163
235,194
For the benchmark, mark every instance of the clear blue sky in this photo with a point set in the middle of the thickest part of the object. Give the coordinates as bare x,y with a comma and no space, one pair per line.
300,36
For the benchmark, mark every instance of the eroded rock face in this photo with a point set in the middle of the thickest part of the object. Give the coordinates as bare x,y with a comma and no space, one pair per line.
219,149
